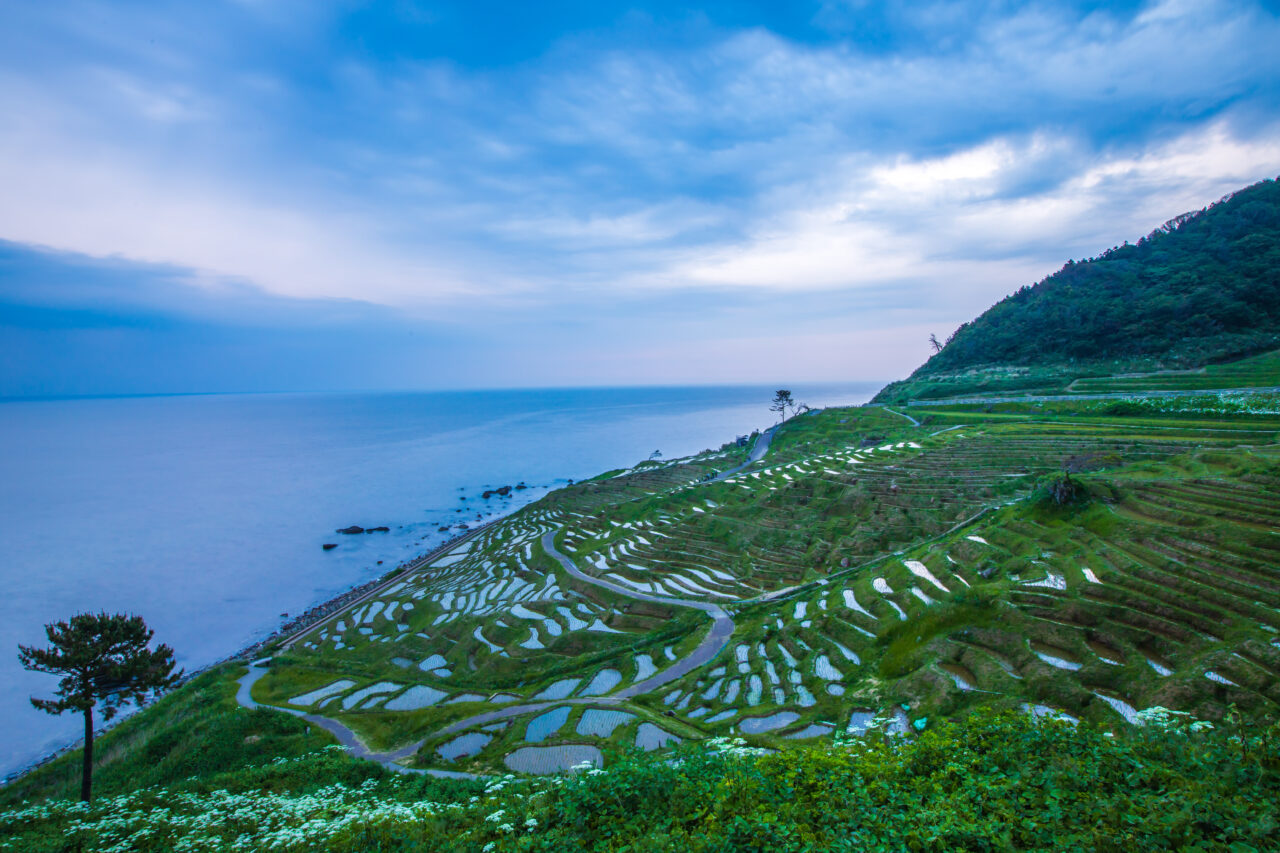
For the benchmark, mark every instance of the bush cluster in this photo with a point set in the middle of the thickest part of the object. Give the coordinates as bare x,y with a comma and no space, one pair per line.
996,781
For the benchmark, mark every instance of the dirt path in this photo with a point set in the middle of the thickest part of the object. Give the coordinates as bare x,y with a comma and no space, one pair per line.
914,422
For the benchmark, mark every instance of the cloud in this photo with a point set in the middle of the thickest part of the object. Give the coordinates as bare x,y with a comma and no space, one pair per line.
962,219
591,173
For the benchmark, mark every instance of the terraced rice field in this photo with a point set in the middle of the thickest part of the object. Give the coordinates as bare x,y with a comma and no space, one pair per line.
1260,371
867,568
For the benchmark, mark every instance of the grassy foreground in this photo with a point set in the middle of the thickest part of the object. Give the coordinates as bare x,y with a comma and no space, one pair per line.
993,781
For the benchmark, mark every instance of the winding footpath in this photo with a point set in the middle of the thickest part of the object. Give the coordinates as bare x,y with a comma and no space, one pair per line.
722,628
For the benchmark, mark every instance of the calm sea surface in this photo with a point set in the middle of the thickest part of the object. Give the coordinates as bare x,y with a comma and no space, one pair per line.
206,514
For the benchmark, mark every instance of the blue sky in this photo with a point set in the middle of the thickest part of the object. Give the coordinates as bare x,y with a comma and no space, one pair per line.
261,195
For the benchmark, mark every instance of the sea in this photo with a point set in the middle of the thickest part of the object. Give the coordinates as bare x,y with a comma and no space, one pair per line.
207,514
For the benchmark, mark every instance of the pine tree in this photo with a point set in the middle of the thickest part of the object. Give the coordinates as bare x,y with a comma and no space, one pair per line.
104,660
781,401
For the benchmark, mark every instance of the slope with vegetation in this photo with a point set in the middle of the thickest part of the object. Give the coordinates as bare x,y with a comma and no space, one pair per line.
1203,288
1024,624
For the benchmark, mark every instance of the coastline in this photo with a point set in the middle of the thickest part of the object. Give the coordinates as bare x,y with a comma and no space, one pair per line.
291,630
323,610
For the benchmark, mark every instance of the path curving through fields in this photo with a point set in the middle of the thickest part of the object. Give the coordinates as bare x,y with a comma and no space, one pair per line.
722,627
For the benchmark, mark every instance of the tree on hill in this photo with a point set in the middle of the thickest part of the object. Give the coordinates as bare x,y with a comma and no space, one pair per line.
104,660
781,401
1203,287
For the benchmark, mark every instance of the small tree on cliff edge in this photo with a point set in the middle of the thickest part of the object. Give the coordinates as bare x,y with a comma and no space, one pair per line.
103,659
781,401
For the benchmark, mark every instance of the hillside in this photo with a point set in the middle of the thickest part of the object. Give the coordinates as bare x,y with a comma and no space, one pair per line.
867,575
1017,623
1203,288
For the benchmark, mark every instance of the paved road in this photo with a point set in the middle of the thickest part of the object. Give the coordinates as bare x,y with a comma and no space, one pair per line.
345,736
717,638
758,450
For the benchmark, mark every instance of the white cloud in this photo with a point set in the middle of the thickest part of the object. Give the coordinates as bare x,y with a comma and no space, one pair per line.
88,196
952,218
746,163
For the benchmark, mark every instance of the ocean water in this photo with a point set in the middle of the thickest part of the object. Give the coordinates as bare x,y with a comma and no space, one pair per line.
206,514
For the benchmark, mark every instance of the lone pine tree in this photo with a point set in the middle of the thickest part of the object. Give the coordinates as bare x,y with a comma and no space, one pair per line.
104,660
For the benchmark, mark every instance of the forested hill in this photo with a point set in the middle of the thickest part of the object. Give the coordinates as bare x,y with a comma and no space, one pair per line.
1203,287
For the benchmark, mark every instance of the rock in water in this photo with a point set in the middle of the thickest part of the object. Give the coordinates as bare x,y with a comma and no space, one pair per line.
329,546
383,529
352,529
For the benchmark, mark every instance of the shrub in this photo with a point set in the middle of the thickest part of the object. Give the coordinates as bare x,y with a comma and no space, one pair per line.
996,781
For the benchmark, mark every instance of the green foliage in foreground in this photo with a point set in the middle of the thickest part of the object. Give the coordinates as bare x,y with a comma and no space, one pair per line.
998,781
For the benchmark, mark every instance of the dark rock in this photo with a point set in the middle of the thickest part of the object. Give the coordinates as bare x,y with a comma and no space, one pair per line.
504,491
329,546
521,485
382,529
353,529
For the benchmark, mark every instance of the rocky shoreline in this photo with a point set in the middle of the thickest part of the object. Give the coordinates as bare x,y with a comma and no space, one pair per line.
326,609
300,623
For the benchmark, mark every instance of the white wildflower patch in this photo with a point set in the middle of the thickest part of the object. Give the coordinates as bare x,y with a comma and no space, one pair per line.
220,820
153,819
735,746
1167,720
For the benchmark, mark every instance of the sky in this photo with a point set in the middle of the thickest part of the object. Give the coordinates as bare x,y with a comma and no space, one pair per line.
305,195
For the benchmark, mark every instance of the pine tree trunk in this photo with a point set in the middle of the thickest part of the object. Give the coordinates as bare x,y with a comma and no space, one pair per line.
86,777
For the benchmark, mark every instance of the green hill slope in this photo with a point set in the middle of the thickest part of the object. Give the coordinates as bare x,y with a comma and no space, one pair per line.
1203,288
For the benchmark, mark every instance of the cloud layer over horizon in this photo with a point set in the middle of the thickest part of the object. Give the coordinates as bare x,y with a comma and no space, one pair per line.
297,195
